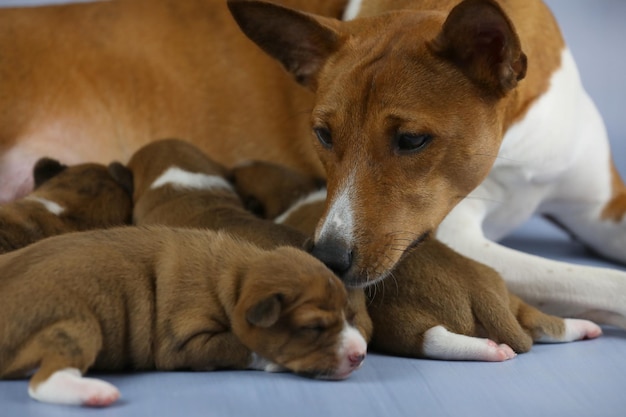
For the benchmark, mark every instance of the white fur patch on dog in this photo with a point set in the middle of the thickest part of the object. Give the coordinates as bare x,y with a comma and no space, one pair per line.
67,386
439,343
339,222
314,197
352,10
51,206
180,178
259,363
575,329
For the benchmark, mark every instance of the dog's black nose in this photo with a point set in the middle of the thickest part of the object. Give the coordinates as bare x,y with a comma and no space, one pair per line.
336,255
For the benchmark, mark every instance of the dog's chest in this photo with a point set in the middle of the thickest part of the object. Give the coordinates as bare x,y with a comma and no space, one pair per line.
535,153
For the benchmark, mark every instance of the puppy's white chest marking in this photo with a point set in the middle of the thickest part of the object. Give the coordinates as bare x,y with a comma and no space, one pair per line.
180,178
51,206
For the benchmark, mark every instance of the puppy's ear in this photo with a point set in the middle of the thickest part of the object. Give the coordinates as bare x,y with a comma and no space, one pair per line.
46,168
480,39
301,42
265,312
122,175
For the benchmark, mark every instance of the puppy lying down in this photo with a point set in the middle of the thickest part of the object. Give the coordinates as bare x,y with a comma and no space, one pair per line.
438,304
67,199
166,299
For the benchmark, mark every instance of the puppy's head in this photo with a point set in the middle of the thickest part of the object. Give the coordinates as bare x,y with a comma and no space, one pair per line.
408,117
292,311
90,195
269,189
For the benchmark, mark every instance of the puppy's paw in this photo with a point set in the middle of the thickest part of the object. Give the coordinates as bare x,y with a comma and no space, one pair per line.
439,343
576,329
497,352
259,363
67,386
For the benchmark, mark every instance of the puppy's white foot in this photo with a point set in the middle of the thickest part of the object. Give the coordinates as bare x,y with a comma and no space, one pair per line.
497,352
259,363
575,329
67,386
439,343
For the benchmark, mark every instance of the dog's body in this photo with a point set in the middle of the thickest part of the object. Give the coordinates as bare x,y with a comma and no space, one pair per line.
177,185
416,103
67,199
440,304
162,298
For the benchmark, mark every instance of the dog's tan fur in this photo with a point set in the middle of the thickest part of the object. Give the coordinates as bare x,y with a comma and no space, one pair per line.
213,208
433,286
212,299
88,196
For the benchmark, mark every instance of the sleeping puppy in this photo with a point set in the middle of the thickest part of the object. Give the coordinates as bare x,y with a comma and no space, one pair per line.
66,199
166,298
177,185
450,306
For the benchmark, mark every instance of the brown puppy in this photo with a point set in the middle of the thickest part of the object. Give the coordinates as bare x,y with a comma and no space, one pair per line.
66,199
440,303
177,185
165,298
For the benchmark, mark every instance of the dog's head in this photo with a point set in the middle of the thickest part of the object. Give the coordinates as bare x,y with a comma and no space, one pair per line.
91,195
292,311
408,117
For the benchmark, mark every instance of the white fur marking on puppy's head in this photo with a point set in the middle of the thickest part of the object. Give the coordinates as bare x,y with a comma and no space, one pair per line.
51,206
352,10
352,345
180,178
314,197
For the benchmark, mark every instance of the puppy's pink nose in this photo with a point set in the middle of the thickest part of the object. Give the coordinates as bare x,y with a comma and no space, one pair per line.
356,359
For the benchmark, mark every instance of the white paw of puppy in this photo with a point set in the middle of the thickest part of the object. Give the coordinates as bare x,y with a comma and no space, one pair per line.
259,363
68,387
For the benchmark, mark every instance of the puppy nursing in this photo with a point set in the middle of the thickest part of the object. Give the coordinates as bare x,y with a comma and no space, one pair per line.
66,199
442,304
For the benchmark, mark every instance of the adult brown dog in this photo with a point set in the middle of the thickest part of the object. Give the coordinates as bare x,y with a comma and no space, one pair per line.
440,304
67,199
412,102
165,298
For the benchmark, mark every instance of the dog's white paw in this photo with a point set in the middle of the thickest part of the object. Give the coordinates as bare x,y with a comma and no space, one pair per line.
497,352
259,363
576,329
439,343
69,387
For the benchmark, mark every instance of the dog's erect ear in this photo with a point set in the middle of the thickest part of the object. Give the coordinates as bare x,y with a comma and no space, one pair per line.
480,39
122,175
265,312
300,41
46,168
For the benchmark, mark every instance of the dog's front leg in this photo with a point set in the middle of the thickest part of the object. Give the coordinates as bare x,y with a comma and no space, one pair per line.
201,348
559,288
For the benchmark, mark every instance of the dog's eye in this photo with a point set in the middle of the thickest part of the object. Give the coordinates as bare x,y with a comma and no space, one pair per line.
324,136
313,329
406,143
